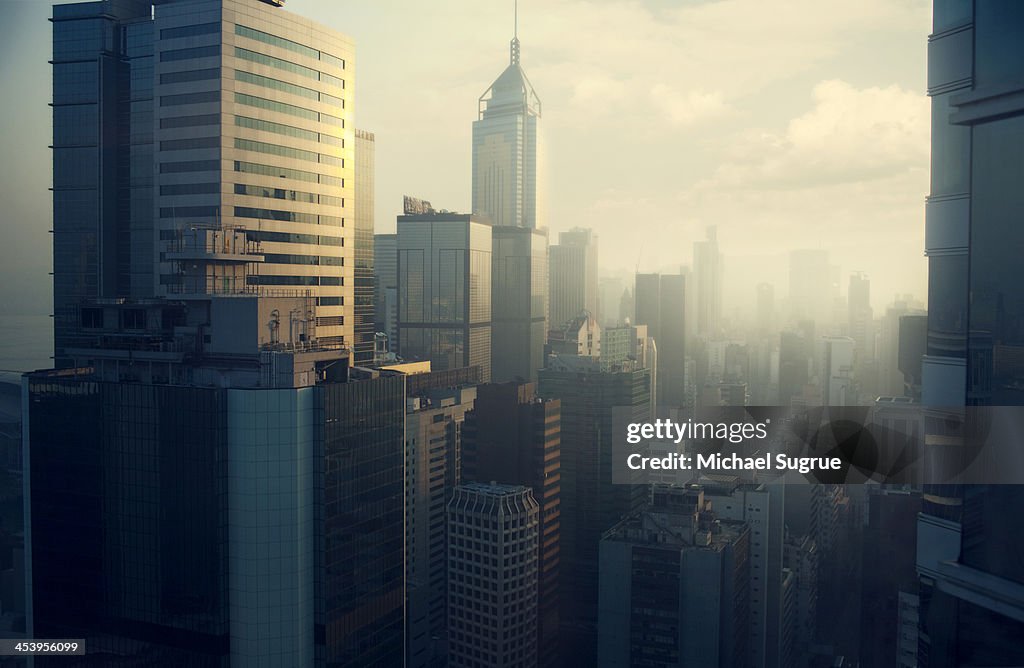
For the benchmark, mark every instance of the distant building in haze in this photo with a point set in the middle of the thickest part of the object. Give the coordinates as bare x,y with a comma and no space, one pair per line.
506,149
574,285
660,304
708,284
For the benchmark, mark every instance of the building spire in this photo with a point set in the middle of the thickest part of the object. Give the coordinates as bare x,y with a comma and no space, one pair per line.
514,45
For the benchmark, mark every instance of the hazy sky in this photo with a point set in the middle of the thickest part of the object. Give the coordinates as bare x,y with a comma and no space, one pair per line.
786,123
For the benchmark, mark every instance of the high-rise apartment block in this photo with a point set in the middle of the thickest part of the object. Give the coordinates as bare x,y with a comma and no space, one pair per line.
492,576
444,290
513,437
574,286
506,149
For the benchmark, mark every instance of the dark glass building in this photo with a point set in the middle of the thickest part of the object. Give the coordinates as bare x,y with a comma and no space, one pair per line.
513,437
660,304
972,586
185,525
590,503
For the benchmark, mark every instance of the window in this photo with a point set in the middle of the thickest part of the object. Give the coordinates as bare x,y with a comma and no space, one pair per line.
190,166
190,144
189,98
190,75
187,54
189,121
190,31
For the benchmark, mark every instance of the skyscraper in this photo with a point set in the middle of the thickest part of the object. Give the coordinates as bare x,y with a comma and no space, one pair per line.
591,503
519,300
444,290
363,253
506,148
385,278
970,597
660,304
495,525
707,284
200,114
435,411
574,276
513,437
675,586
860,323
241,499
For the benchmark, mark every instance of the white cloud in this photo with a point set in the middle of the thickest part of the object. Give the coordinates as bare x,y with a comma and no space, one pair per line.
691,107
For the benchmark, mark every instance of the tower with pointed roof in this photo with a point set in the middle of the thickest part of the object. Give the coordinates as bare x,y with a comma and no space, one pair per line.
505,148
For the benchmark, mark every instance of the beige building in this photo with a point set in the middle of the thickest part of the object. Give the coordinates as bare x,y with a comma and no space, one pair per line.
252,132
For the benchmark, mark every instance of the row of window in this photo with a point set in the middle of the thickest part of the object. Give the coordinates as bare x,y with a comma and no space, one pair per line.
190,75
288,130
285,173
291,195
310,260
190,98
189,121
287,216
296,280
190,166
288,152
293,238
190,53
278,63
190,143
288,44
190,31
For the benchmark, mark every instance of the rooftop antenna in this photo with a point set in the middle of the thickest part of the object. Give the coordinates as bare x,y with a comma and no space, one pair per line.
514,47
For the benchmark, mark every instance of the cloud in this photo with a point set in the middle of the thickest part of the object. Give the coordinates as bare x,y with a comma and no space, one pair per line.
848,135
690,107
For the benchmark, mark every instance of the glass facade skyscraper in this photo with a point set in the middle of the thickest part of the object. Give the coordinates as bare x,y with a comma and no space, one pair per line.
444,290
519,291
506,149
228,114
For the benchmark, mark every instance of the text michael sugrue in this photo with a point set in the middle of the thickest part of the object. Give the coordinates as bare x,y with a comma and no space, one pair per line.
735,432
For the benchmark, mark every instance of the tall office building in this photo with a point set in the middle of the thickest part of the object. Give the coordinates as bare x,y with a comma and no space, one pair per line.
200,114
506,149
494,526
674,586
363,310
660,304
765,323
519,302
860,321
233,499
971,598
574,276
591,504
513,437
436,408
707,284
444,290
385,278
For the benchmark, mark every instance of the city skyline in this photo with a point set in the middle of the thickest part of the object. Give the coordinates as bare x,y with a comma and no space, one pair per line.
750,145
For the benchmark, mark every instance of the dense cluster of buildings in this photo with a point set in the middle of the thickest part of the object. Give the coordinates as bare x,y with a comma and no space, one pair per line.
273,437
